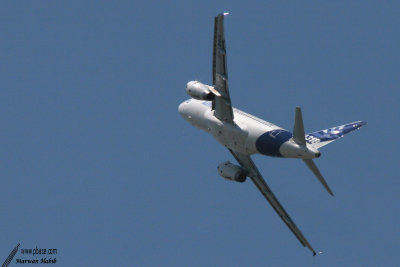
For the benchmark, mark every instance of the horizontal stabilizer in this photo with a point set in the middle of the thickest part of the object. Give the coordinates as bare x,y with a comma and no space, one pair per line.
321,138
310,163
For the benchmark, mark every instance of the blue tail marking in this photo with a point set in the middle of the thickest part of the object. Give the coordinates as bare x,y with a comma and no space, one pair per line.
335,132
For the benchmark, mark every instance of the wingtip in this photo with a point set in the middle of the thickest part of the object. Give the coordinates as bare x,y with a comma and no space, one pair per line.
358,124
223,14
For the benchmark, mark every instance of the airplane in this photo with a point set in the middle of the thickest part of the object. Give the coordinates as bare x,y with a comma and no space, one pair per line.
210,109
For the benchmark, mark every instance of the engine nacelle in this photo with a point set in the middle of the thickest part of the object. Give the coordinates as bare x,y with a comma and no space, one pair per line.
199,91
231,172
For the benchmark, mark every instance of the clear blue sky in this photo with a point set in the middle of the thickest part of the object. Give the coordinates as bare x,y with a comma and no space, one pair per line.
96,161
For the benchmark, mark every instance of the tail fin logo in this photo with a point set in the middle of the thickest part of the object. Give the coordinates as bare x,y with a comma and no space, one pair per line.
331,134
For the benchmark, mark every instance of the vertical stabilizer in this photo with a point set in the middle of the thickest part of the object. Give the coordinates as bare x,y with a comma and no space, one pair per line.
298,128
300,139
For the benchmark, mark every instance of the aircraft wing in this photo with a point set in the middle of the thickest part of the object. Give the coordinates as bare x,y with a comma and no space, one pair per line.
221,104
247,163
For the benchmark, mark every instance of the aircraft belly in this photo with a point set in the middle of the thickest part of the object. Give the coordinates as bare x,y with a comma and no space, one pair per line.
240,136
230,135
247,135
254,131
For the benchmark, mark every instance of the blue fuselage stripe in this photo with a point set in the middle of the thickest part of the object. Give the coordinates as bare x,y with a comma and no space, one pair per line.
270,142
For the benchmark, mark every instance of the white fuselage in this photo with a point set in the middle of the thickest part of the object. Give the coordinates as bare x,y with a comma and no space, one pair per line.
247,135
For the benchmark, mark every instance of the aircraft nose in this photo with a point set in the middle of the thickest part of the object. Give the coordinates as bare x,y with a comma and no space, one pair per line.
184,111
181,108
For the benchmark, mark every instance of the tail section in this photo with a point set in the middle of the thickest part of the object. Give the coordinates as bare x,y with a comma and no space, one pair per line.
298,128
322,138
300,139
311,165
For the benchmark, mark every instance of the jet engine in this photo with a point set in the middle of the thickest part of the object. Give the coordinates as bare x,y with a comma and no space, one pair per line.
231,172
199,91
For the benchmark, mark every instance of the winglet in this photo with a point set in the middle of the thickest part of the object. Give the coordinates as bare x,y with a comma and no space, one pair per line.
223,14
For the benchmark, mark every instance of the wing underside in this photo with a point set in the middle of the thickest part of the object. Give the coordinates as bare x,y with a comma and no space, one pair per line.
247,163
221,104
